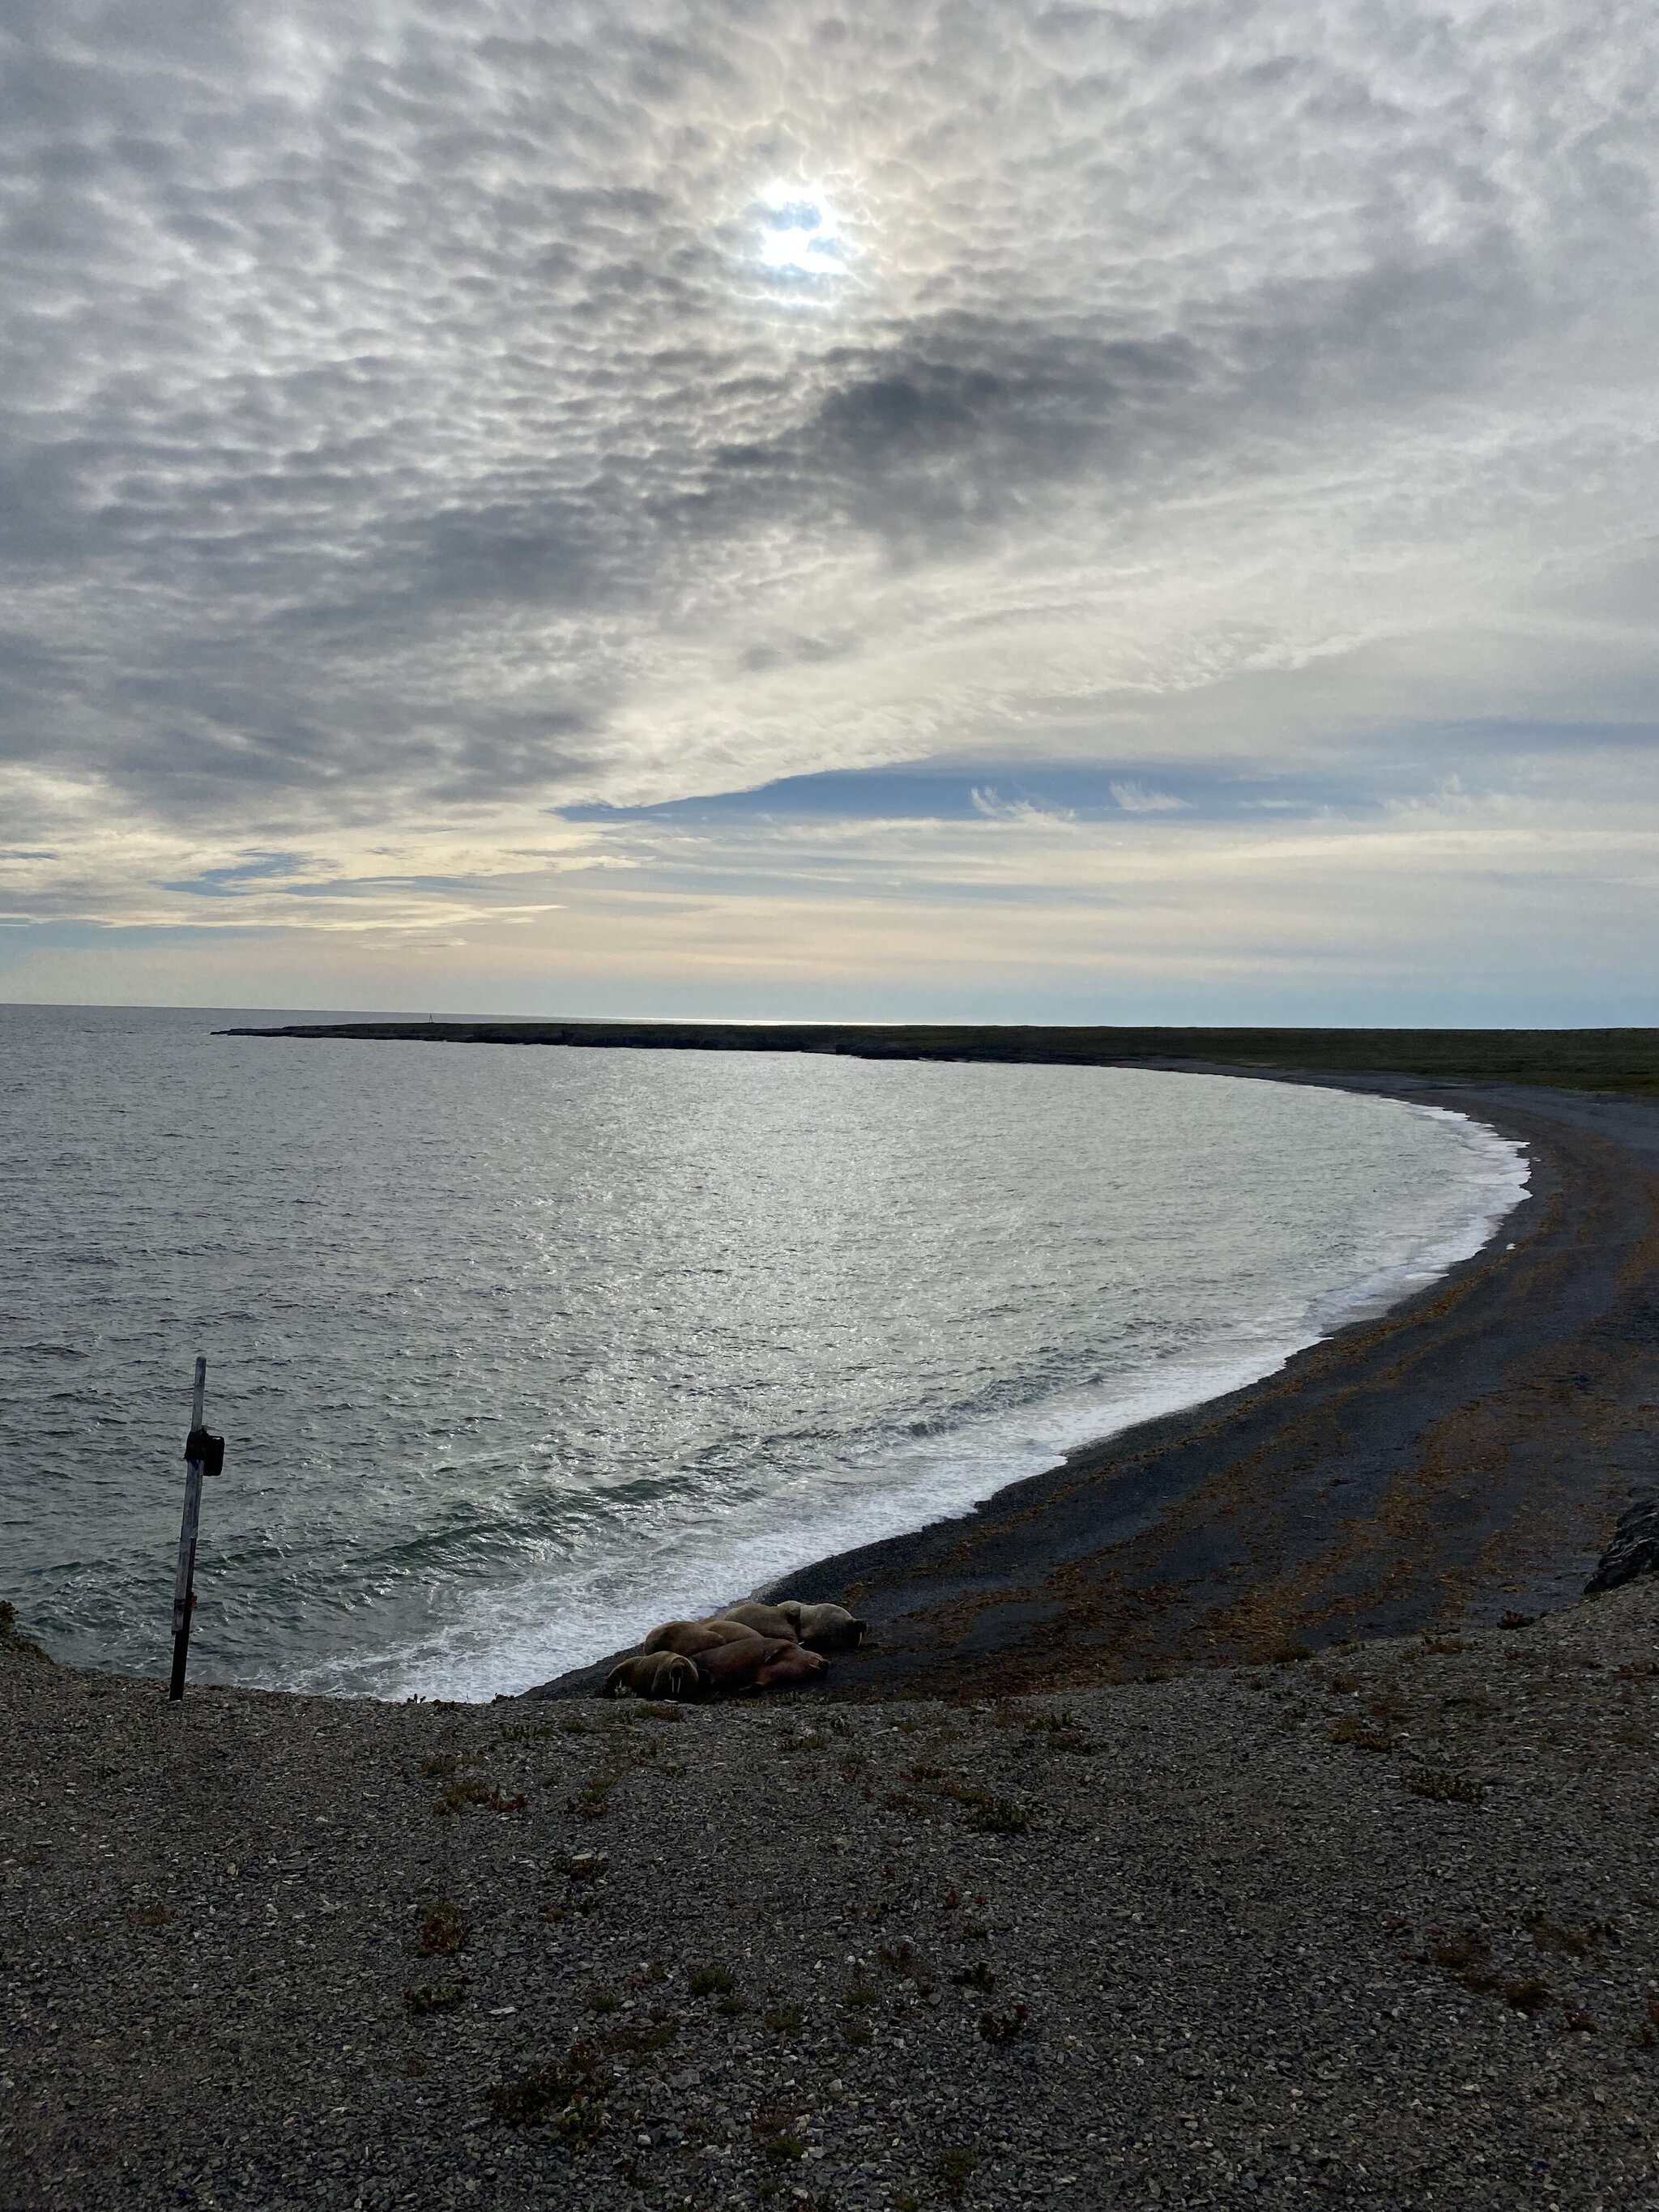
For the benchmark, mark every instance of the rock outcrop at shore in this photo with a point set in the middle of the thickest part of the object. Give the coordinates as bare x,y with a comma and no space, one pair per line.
1634,1550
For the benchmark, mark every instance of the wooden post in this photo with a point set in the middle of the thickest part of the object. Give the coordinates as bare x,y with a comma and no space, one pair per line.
204,1454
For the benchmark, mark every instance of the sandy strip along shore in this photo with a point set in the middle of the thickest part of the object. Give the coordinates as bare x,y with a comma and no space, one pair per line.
1378,1929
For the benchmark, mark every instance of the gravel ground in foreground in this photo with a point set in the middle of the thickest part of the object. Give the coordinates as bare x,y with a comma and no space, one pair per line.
1376,1929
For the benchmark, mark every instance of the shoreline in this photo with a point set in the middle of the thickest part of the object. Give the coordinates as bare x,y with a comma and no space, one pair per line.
1373,1931
1462,1455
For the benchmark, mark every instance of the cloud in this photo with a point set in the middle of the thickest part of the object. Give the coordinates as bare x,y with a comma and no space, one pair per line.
986,800
1135,798
417,419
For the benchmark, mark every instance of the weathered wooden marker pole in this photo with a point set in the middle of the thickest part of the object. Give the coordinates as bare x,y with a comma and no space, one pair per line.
204,1454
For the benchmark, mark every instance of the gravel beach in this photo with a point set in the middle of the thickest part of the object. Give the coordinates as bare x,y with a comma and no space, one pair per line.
1246,1813
1376,1928
1461,1455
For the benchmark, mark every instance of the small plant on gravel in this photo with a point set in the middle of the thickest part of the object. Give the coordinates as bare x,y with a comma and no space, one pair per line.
524,1731
1457,1953
785,2019
998,1816
855,2032
1003,2027
1528,1997
955,2169
979,1976
602,2000
475,1789
435,1996
1442,1645
1362,1734
1566,1942
574,1727
1463,1957
148,1916
565,2092
899,1958
776,2131
1515,1619
443,1931
636,2043
593,1800
1286,1651
1441,1787
711,1981
861,1997
436,1768
1343,1686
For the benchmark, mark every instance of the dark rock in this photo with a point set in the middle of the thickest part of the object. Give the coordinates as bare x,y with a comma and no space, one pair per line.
1634,1550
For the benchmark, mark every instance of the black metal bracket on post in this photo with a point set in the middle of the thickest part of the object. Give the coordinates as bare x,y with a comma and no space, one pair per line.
204,1454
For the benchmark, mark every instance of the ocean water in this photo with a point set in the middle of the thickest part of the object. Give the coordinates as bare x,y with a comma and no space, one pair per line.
518,1350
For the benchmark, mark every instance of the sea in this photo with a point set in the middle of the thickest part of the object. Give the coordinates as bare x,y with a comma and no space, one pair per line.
518,1350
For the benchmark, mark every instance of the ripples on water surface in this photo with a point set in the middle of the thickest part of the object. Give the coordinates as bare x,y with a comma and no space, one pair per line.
518,1349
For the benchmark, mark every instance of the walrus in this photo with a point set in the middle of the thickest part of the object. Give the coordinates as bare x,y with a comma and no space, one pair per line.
691,1637
654,1674
825,1628
764,1619
759,1662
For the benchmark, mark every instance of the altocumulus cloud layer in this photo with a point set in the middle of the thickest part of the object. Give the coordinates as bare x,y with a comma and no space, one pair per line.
441,440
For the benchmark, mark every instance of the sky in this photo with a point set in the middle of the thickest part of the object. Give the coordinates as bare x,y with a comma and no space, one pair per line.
773,507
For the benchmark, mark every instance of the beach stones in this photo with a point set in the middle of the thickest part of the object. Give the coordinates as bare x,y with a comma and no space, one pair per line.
1634,1550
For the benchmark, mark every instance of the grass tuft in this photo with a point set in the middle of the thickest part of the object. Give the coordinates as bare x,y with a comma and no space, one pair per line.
443,1930
435,1996
1441,1787
955,2169
566,2093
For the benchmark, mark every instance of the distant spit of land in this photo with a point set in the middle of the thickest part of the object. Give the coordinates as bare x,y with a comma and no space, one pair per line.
1624,1059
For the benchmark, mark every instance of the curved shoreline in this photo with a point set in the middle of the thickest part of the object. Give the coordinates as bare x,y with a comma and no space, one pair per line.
1461,1455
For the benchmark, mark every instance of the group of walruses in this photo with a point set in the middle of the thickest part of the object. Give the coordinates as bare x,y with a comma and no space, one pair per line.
748,1647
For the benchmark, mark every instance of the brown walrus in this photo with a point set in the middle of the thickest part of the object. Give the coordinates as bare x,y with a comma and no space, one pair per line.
825,1628
654,1674
691,1637
759,1662
764,1619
